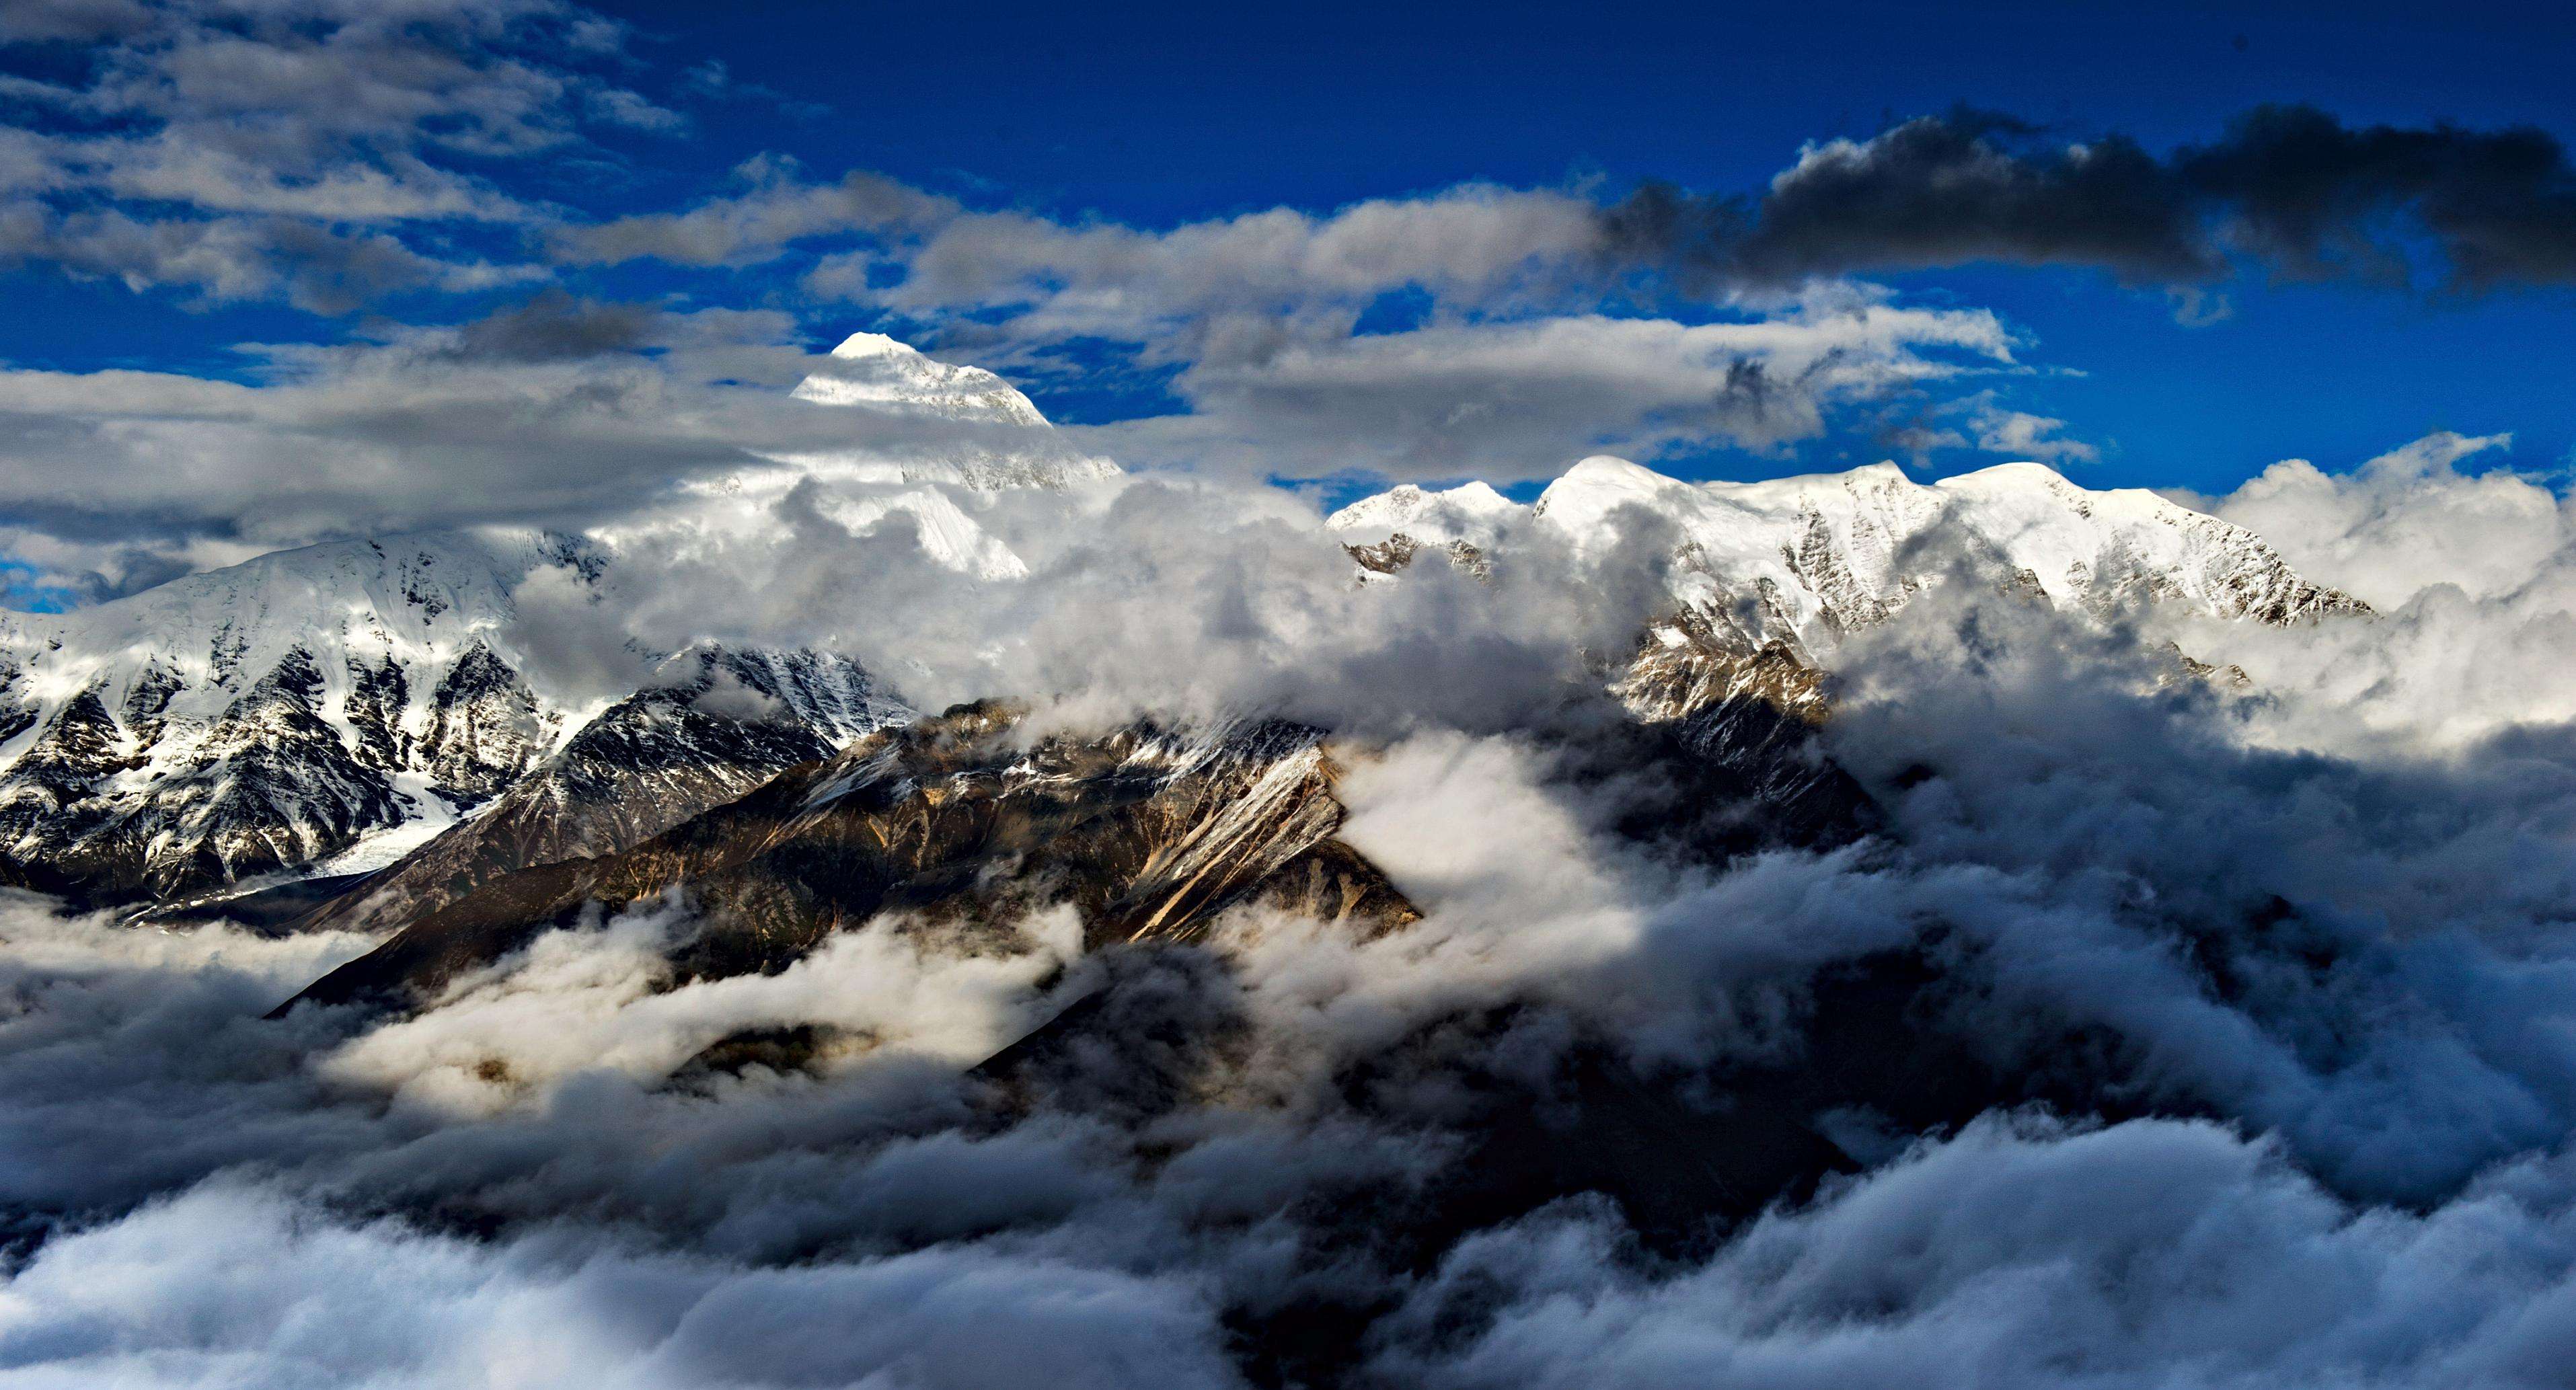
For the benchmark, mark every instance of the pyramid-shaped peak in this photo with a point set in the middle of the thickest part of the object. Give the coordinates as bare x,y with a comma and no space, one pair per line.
863,345
883,373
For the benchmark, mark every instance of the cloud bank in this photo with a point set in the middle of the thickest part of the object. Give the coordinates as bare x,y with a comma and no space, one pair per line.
2157,1031
2216,1035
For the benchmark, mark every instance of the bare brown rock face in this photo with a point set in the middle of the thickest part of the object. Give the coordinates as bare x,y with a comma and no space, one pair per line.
1147,832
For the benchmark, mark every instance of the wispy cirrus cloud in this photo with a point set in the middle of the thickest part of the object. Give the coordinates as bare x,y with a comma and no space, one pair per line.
775,209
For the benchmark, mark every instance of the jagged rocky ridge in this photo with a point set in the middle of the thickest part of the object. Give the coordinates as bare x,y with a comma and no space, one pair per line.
1148,832
645,764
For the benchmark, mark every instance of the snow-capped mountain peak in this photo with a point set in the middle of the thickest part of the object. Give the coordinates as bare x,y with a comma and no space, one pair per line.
324,710
1471,512
871,369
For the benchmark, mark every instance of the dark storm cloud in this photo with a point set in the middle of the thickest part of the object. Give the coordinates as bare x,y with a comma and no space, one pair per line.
2291,188
2308,195
555,327
1934,191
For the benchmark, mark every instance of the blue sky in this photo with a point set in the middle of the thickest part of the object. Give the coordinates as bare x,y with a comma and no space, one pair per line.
1163,114
1155,118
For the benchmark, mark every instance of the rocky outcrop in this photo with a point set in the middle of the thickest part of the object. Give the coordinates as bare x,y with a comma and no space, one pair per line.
485,729
647,763
1148,832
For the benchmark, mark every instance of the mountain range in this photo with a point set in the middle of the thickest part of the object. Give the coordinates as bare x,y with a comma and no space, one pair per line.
365,735
451,754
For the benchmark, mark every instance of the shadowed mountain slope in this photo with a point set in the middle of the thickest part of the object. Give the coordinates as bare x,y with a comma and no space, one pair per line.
1148,833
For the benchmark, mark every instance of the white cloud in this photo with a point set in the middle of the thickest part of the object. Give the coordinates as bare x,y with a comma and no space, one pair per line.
232,1285
2407,520
529,417
581,1003
2475,578
1519,399
1469,246
1508,369
775,210
2024,436
2024,1255
284,151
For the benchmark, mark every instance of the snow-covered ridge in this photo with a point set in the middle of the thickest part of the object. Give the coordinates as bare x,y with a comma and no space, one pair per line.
318,710
424,599
1471,512
324,709
1807,559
